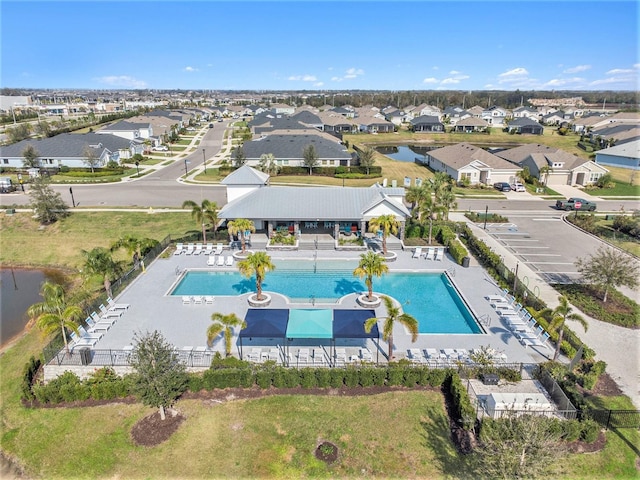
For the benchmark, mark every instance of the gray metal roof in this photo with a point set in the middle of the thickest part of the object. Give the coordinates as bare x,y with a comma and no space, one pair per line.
245,175
311,203
292,146
66,145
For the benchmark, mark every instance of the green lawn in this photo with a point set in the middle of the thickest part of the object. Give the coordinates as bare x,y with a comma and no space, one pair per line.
621,189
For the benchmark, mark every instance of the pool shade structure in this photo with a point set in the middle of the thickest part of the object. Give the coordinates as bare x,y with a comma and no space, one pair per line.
291,324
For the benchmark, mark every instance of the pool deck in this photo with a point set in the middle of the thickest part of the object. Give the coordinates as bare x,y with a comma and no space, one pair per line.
152,308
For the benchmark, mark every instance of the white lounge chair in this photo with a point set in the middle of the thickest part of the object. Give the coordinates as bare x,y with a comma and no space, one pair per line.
189,249
208,249
211,261
417,253
432,354
229,262
303,355
186,300
179,249
440,254
341,356
220,262
218,249
415,355
430,253
197,300
318,356
274,354
116,306
366,355
496,299
208,300
198,249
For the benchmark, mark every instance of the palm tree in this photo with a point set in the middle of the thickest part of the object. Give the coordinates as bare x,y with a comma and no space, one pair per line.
100,262
240,226
134,245
258,264
545,170
416,195
558,318
430,207
207,211
54,313
393,315
388,224
224,324
371,264
447,200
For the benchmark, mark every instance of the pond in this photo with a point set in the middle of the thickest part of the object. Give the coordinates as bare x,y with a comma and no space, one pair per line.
406,153
19,289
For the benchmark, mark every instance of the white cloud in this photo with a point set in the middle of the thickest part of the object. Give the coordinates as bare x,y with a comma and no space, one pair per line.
564,82
190,69
349,74
516,72
620,71
577,69
336,79
318,84
303,78
355,71
430,80
122,81
454,72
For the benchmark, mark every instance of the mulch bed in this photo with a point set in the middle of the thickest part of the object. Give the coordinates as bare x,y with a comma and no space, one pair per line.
604,387
327,452
583,447
152,430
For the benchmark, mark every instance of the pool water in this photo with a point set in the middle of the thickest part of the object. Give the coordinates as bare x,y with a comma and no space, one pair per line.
429,297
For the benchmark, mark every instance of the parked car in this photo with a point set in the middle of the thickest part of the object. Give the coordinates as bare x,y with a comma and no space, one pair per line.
161,148
211,125
502,186
575,204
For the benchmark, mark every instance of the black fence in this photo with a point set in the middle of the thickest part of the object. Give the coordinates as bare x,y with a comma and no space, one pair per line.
87,357
615,418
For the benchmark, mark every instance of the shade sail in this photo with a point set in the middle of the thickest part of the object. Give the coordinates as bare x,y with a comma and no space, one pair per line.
265,323
307,323
350,324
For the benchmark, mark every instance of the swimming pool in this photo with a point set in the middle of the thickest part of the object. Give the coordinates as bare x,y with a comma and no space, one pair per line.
429,297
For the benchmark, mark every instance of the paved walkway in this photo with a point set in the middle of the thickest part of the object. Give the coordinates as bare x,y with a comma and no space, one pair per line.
618,346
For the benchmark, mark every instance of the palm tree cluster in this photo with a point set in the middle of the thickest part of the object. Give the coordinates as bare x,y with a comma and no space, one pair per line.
433,199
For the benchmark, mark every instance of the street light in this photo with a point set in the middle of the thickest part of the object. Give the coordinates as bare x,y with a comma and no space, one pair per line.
204,161
486,214
186,169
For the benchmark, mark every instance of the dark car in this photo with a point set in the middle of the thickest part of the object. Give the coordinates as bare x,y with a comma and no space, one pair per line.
575,204
502,186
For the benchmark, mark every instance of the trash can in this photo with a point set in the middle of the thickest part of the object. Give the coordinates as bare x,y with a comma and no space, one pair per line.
85,356
465,262
490,379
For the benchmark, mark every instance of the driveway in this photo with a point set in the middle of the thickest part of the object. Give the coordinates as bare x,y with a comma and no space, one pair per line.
568,191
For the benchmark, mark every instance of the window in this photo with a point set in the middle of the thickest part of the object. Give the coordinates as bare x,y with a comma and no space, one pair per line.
464,175
594,176
5,161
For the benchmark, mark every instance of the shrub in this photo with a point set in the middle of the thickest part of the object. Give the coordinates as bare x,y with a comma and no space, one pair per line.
457,251
351,377
308,377
410,377
379,376
291,377
323,378
264,378
590,430
366,376
278,378
30,371
433,377
394,376
463,409
336,377
571,430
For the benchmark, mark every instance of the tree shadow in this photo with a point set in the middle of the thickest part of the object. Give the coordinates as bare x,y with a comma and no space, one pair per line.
245,286
345,287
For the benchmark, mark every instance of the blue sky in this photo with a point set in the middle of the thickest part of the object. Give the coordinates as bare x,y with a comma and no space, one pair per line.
320,45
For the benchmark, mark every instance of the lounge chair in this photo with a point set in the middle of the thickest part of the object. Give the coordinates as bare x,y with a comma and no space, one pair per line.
208,249
220,262
303,355
415,355
417,253
218,249
318,356
110,313
186,300
211,261
197,300
179,249
189,249
229,262
440,254
366,355
274,354
116,306
208,300
85,334
198,249
430,253
341,356
496,299
432,354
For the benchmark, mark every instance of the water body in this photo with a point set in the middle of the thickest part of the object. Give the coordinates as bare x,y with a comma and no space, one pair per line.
19,289
406,153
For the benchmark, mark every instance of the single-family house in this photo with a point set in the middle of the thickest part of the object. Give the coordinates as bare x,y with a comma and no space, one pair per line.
454,114
494,116
337,124
475,111
369,123
626,155
614,134
525,125
395,116
526,112
465,162
127,129
282,109
471,125
288,148
427,123
553,166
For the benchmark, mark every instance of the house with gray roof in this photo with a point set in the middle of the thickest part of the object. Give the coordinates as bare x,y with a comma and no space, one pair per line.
288,148
494,116
337,124
427,123
614,134
525,125
526,112
465,162
311,209
370,123
626,155
471,125
127,129
69,149
562,168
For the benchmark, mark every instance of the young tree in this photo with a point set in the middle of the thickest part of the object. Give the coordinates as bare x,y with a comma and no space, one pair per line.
394,316
430,208
54,313
268,164
239,158
206,212
91,158
608,268
47,204
518,446
100,262
159,377
367,157
416,195
18,133
371,265
138,247
30,157
258,264
310,157
224,324
240,227
558,318
388,224
447,201
545,170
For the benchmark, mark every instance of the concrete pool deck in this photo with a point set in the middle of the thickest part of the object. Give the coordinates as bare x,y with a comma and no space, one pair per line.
152,308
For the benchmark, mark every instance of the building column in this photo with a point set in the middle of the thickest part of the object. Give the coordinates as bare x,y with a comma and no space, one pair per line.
363,227
269,229
402,226
336,230
296,229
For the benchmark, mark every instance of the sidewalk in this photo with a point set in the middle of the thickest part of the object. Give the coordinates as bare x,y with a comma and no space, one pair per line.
619,347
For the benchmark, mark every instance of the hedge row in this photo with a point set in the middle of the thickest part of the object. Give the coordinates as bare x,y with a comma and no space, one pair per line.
28,377
448,237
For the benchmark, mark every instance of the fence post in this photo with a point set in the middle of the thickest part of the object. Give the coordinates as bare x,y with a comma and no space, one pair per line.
608,419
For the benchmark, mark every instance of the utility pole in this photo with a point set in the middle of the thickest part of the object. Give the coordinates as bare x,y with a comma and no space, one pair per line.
204,161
